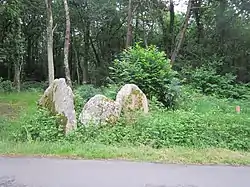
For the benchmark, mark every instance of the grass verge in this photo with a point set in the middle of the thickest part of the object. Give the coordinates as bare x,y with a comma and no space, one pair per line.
96,151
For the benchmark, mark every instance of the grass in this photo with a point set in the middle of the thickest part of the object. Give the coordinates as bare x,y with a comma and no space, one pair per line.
142,153
19,105
208,110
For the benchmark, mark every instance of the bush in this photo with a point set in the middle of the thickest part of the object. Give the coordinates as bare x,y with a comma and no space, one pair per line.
34,86
150,70
83,93
41,126
6,86
170,129
110,91
207,81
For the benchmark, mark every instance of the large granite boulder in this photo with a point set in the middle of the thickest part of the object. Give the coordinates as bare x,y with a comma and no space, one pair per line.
59,99
132,99
98,110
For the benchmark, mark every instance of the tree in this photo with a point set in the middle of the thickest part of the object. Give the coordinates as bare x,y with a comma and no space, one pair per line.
129,25
182,32
13,40
18,57
50,31
215,34
66,44
171,25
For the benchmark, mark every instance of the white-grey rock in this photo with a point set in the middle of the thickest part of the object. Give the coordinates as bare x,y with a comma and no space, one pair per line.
59,99
100,109
131,98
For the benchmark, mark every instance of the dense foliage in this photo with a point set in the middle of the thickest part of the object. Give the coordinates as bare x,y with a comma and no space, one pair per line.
42,126
209,82
218,31
150,70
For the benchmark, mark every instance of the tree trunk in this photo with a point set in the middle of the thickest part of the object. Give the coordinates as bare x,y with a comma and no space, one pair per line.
77,67
18,60
171,26
76,59
197,15
17,76
164,31
129,25
182,32
221,24
50,41
85,65
145,37
66,44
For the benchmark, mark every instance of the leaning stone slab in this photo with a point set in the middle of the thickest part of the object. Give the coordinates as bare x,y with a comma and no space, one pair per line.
131,98
59,99
98,110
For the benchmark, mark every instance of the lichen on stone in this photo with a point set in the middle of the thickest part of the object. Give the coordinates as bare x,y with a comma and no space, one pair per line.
58,98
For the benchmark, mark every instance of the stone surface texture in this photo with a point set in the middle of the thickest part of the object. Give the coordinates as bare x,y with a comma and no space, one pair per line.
59,99
131,98
99,109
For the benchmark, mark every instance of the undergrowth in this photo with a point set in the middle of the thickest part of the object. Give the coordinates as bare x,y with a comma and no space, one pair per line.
200,122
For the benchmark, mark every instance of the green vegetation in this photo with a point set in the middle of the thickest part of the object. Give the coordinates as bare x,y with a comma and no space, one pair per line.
204,129
149,69
142,153
194,68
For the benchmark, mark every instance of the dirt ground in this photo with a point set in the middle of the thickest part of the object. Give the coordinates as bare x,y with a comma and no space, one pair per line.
8,110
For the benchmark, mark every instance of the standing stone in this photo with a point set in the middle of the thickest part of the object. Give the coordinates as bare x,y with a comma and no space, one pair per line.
59,99
131,98
99,109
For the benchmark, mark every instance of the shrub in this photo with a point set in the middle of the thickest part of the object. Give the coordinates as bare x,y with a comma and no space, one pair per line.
150,70
41,126
83,93
34,86
110,91
209,82
170,129
6,85
86,91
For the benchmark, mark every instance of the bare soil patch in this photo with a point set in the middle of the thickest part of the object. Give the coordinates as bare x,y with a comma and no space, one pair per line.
9,110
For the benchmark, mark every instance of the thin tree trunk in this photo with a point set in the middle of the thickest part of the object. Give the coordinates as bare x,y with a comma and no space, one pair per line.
220,20
136,28
17,76
19,58
197,14
77,69
85,65
129,25
171,26
76,60
182,32
98,61
50,41
144,33
164,32
66,45
9,71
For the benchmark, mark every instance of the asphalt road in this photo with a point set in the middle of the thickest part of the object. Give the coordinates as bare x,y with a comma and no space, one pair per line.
42,172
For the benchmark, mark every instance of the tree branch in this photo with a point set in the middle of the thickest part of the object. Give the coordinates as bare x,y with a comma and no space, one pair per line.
54,28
